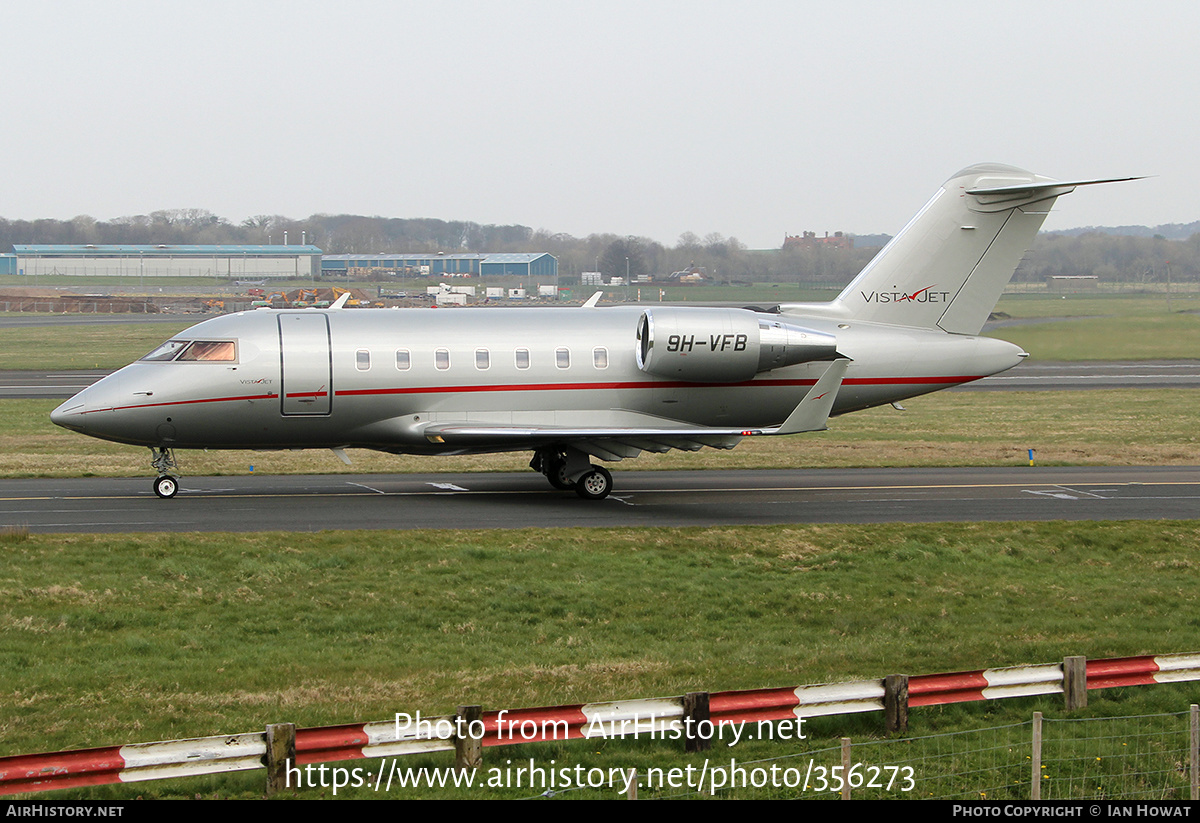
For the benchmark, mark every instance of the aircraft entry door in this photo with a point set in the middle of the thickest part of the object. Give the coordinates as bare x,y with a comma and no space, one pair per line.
306,363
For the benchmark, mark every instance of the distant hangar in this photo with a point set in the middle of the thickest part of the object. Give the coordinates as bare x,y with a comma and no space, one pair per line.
538,265
258,262
94,260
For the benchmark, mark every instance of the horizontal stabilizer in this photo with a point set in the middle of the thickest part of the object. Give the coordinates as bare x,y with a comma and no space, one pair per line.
1032,188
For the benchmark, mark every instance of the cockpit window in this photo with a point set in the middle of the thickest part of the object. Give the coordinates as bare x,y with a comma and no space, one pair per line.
224,351
166,351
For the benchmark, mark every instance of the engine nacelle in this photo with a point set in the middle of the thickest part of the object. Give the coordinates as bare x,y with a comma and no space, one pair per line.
711,345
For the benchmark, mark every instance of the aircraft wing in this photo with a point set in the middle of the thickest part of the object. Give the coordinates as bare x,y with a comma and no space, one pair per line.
617,442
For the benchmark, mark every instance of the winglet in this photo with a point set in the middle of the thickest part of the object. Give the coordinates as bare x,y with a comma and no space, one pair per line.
812,413
340,303
592,301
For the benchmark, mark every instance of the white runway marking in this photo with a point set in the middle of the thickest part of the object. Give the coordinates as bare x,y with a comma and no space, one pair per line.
368,488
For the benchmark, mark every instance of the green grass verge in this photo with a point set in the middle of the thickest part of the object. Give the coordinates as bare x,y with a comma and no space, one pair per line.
1044,304
111,639
1104,326
81,346
1148,337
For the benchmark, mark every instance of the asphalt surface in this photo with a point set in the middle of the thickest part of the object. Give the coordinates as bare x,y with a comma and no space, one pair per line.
699,498
57,385
1050,375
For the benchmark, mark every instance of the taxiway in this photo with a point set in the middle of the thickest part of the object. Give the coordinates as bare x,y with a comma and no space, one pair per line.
643,498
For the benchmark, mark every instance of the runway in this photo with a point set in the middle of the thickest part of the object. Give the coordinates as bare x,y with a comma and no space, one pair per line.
56,385
1052,375
698,498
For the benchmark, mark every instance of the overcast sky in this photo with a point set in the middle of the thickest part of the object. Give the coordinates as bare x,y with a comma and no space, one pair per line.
751,119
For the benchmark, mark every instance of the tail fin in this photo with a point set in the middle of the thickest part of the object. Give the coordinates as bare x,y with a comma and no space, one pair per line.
949,265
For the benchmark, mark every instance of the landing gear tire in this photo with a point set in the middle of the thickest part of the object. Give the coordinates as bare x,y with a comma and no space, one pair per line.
595,485
553,465
557,474
166,487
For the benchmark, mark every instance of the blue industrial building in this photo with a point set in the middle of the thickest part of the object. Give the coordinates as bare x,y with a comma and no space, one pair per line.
532,266
528,265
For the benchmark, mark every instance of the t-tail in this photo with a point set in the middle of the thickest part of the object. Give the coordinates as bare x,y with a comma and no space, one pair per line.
947,268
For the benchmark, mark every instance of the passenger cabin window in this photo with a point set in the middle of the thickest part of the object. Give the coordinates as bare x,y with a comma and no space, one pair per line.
362,360
403,360
562,358
482,359
600,357
522,358
441,359
196,351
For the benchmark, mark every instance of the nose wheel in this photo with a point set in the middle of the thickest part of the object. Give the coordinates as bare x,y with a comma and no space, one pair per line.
166,486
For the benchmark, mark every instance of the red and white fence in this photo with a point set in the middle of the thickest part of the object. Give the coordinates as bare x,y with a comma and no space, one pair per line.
666,715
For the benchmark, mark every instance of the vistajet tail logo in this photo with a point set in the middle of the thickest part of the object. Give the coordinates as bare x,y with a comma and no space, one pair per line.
925,295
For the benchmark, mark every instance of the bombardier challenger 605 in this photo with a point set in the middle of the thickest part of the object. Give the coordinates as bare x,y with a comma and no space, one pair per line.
572,384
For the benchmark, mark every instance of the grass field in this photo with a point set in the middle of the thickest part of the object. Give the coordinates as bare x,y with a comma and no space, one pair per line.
1045,304
1103,327
202,634
108,346
1151,337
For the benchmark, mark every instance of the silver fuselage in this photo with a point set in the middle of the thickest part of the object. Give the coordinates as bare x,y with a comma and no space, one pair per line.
375,378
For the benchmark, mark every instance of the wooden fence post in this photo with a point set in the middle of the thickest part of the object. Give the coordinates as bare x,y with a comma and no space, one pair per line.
468,749
281,754
695,708
895,703
1075,682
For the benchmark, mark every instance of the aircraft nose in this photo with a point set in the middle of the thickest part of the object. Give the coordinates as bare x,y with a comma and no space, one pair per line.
70,414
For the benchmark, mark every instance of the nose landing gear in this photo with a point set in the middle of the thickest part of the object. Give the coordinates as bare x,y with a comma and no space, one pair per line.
166,486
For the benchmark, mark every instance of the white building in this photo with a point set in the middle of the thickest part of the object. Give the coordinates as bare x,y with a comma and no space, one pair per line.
232,262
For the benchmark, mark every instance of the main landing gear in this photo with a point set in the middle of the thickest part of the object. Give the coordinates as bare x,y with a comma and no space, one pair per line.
163,460
569,468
